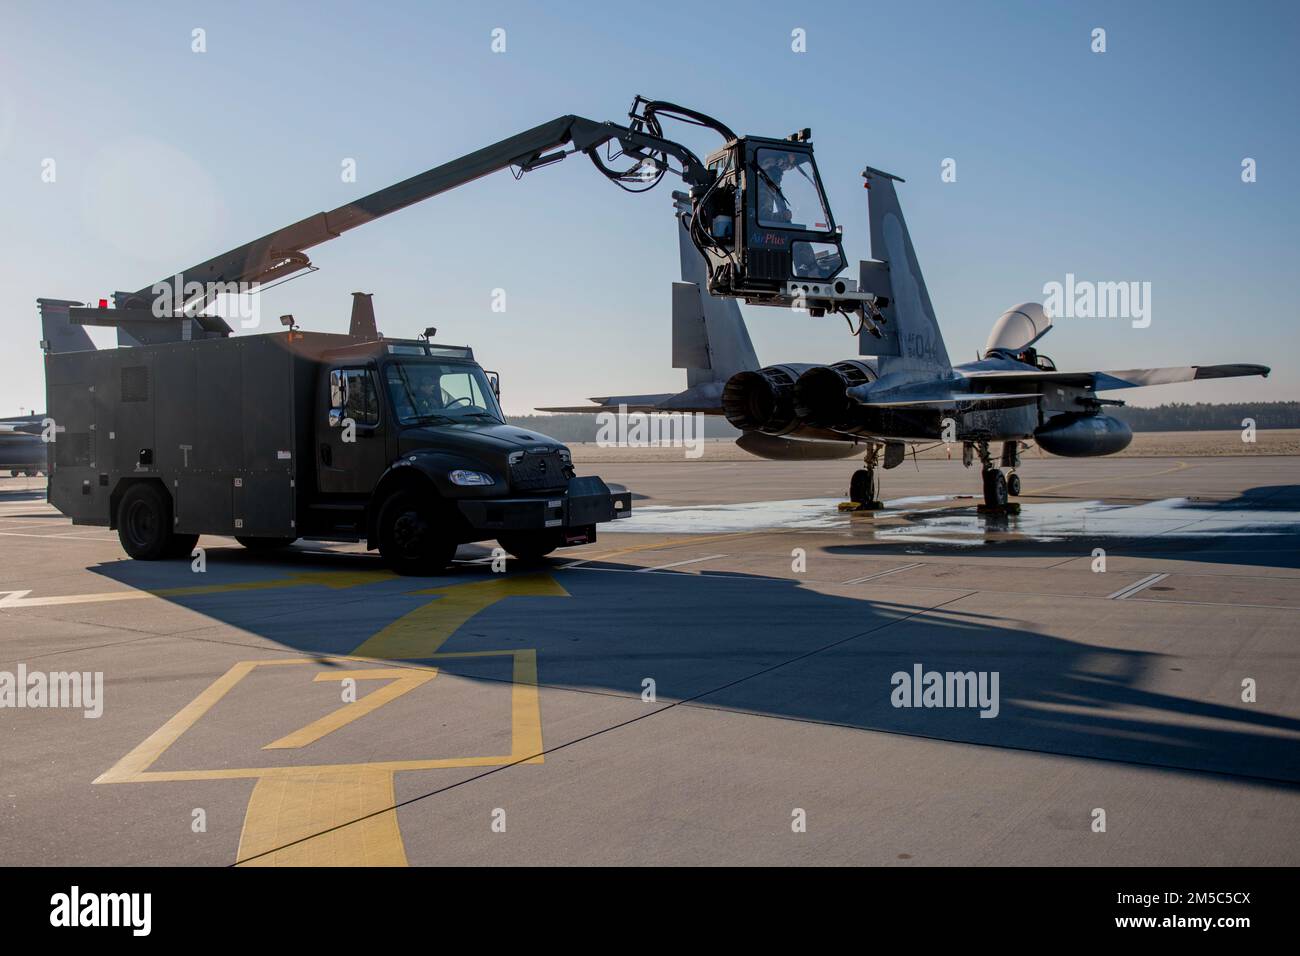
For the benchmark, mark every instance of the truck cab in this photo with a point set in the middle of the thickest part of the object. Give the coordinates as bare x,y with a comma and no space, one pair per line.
412,447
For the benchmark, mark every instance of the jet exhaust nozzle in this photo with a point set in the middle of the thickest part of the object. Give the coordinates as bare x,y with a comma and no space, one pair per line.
763,401
820,395
1083,436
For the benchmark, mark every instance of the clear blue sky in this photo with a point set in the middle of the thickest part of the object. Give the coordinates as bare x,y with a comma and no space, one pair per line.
1116,166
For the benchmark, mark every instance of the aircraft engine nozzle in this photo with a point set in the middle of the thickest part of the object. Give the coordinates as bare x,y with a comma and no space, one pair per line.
1083,436
764,400
820,397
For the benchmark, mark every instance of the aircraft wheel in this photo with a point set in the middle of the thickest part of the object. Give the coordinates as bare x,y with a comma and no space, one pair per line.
864,487
995,488
1013,485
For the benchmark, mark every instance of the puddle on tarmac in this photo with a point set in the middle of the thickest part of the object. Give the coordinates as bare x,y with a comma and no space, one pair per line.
951,520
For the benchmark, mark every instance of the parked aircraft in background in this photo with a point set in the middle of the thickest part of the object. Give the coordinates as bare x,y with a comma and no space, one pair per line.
21,450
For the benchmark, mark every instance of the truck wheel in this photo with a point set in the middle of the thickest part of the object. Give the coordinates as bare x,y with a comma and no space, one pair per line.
529,545
182,545
410,539
144,523
264,544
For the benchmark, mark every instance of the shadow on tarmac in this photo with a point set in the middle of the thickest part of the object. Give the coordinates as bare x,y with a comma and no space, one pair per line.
772,646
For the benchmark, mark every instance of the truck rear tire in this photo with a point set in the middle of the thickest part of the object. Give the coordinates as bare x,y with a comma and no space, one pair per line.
144,524
411,540
264,544
182,545
529,545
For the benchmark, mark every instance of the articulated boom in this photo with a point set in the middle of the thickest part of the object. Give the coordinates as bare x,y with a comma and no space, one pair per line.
759,218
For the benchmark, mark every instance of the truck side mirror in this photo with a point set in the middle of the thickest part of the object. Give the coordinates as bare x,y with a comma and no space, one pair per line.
494,379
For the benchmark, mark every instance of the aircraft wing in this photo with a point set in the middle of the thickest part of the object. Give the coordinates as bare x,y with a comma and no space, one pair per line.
970,400
705,397
631,403
1128,378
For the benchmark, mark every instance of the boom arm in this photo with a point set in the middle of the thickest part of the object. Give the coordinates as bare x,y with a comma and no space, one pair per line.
281,253
760,244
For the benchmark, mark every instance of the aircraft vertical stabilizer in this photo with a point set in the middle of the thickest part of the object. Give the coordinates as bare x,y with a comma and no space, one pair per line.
910,341
58,334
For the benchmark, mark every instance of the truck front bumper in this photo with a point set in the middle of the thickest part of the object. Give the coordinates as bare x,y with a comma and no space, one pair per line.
572,513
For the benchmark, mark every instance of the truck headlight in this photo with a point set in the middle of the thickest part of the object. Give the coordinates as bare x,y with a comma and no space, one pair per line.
462,477
565,456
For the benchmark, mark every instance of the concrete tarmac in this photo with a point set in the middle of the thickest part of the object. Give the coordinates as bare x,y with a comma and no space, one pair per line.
738,674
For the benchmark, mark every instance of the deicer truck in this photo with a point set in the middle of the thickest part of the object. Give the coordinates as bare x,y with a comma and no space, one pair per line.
269,438
186,430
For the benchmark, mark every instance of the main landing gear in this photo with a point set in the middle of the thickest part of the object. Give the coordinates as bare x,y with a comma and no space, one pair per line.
864,487
998,485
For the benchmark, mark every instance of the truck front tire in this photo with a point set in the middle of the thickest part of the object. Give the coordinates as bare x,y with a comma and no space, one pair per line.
411,538
144,525
529,546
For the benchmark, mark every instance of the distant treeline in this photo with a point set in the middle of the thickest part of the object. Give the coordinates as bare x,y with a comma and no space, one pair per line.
1203,416
1178,417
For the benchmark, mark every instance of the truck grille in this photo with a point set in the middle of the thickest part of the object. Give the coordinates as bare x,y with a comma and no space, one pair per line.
537,472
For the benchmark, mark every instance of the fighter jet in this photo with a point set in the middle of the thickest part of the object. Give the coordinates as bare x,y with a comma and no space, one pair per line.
21,450
907,392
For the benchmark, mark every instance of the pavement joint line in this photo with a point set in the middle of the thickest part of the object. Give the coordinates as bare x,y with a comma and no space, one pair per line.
678,564
547,751
1136,586
88,647
881,574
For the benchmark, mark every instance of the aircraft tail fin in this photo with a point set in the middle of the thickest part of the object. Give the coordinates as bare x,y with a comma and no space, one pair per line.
58,333
910,341
710,340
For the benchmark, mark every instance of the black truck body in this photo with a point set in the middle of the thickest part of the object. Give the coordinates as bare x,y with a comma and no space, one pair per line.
275,437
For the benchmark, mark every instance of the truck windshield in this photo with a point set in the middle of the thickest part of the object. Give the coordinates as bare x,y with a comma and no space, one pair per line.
423,391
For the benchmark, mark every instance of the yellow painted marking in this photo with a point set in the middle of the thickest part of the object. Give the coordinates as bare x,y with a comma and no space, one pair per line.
134,764
402,682
423,631
526,709
525,743
343,814
323,818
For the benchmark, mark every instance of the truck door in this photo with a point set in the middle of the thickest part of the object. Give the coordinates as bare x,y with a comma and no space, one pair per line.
351,453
